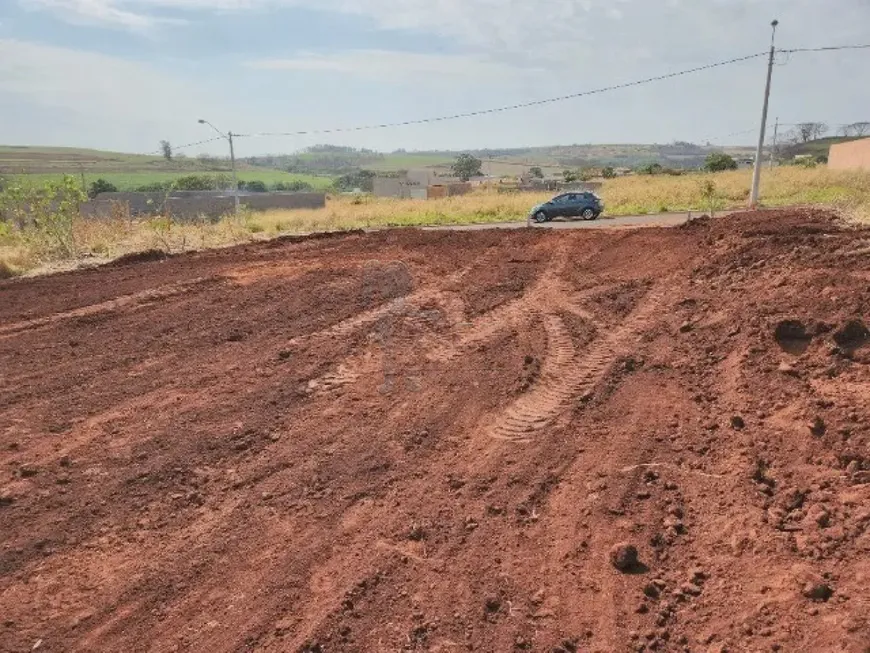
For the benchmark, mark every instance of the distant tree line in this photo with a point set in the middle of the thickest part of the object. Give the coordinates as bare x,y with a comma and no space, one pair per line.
203,182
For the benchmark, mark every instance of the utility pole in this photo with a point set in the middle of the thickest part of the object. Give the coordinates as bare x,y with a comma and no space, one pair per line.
773,150
229,137
235,178
759,152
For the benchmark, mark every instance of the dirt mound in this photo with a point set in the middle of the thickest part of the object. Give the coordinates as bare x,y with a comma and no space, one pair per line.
443,441
139,257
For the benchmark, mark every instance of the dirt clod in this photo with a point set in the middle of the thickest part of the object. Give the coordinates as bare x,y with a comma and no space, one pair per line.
624,557
818,427
817,591
792,336
852,335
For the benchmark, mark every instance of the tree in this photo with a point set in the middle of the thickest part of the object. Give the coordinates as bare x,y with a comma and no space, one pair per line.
608,172
569,176
466,166
719,161
167,150
810,131
101,186
536,172
856,129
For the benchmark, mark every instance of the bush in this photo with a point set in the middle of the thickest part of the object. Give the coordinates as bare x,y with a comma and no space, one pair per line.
719,162
101,186
295,186
608,173
45,214
195,182
153,187
651,169
255,186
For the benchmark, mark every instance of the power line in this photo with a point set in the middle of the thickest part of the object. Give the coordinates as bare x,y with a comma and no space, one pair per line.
534,103
829,48
514,107
181,147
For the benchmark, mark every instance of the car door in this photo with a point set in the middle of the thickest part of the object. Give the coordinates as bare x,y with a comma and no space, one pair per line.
573,205
560,206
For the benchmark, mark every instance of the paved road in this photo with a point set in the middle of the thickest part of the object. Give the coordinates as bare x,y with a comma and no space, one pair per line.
651,220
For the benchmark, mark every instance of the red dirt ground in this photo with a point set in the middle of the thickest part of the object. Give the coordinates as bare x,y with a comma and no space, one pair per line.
431,441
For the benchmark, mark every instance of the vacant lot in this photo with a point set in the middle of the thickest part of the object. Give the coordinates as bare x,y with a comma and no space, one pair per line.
431,441
848,193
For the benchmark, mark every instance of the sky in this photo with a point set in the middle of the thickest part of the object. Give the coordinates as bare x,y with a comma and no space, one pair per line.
124,74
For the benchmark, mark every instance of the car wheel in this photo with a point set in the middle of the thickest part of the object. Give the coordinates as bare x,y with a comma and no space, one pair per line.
588,214
540,217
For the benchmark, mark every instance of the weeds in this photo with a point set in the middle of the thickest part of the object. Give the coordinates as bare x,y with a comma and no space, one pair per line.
52,232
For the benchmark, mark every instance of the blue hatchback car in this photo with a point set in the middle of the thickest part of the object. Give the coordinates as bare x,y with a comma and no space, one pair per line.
574,204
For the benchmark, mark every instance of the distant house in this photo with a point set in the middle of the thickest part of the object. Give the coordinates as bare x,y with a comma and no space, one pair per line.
854,155
419,184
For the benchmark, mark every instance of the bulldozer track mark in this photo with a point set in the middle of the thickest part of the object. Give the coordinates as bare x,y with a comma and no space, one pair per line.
338,378
567,374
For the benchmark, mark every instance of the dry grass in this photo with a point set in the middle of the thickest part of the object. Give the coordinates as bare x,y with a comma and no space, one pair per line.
98,241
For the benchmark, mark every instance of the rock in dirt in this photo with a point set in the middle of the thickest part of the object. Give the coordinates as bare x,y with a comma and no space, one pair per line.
789,370
737,422
817,591
623,556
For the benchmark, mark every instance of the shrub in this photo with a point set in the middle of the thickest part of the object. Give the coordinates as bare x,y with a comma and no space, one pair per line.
608,172
719,162
101,186
45,215
255,186
651,169
153,187
195,182
295,186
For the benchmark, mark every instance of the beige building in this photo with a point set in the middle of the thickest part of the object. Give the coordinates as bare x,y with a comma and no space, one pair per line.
854,155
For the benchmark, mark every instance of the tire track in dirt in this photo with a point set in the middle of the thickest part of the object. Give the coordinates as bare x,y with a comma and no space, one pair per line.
129,302
567,374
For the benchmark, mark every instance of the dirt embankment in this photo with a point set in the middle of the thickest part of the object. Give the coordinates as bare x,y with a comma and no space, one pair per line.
418,441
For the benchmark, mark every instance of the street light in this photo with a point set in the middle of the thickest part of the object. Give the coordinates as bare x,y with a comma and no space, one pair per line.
229,137
756,173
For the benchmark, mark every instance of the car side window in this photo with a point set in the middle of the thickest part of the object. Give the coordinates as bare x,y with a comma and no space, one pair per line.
573,197
561,199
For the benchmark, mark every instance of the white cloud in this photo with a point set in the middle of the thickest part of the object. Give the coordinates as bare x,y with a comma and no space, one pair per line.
391,65
90,84
104,12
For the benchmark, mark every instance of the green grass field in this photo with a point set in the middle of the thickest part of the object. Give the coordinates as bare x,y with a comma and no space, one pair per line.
36,165
125,181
